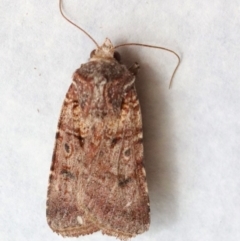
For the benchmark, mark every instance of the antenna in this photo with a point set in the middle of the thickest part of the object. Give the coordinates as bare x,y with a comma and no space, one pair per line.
61,11
127,44
155,47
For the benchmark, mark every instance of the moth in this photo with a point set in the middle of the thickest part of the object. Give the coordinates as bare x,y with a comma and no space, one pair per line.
98,180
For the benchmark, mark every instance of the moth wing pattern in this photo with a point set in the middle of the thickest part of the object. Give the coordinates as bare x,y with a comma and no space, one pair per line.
64,215
115,191
97,179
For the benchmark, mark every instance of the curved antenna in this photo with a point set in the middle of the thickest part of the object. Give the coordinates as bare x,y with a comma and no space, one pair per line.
61,11
155,47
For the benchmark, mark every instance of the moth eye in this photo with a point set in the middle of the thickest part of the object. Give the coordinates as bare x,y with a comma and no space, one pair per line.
92,53
117,56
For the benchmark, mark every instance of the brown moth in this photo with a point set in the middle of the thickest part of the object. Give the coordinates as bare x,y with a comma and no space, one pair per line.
98,180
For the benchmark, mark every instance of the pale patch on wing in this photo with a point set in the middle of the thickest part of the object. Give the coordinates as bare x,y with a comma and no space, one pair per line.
80,220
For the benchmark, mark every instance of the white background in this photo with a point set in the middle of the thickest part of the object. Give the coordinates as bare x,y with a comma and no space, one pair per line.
191,132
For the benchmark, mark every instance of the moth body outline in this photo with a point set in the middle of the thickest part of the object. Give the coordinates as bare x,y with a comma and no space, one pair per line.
98,180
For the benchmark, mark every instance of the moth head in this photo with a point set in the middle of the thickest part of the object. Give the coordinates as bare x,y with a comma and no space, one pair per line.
106,51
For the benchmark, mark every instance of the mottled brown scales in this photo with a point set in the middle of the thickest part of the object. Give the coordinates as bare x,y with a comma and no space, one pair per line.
97,179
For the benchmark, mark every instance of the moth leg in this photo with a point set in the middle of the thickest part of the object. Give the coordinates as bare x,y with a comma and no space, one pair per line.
134,68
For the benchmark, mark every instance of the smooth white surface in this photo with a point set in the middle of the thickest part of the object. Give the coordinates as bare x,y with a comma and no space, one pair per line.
191,133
